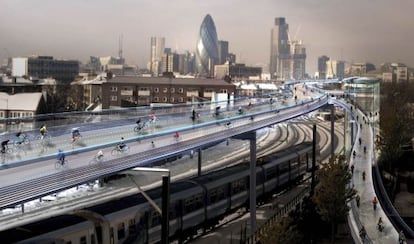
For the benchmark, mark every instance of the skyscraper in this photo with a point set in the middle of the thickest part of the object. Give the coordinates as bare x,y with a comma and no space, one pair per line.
280,50
322,66
157,50
206,50
223,51
298,56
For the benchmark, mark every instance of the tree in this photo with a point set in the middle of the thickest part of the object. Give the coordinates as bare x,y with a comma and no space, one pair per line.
283,231
333,192
395,119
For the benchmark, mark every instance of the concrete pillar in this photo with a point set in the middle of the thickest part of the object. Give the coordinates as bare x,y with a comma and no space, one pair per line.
253,182
165,222
199,162
332,131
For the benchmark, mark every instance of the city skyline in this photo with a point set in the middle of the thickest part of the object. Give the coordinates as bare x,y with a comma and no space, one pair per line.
353,31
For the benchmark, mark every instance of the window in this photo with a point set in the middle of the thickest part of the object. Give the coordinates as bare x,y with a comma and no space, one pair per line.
172,99
164,99
131,227
165,90
180,90
181,100
172,89
223,90
83,240
121,231
114,98
156,89
114,88
156,99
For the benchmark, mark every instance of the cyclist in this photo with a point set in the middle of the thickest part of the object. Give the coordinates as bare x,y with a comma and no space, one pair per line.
365,149
75,133
4,146
217,112
374,203
401,237
43,130
357,199
61,157
362,233
176,136
121,145
380,224
99,155
138,122
228,124
20,137
153,118
240,110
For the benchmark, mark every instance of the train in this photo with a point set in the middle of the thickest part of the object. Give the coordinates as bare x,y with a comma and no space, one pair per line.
196,204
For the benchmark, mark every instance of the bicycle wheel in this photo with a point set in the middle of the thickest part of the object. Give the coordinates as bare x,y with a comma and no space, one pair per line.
136,129
58,164
114,152
93,161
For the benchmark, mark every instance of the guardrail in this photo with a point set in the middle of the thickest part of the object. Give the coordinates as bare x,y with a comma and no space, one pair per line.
286,209
32,189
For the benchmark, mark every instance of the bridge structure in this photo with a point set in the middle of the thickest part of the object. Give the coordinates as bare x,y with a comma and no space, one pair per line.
19,186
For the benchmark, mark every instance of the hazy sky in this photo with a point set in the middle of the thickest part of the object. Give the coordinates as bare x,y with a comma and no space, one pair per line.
374,31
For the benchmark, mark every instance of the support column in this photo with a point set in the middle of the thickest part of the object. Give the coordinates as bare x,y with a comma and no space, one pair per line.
165,222
253,182
199,162
332,131
313,159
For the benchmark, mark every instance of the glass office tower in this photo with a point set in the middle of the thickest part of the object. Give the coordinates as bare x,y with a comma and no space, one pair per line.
207,51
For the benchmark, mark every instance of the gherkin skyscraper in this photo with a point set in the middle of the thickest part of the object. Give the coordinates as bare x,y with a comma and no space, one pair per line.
207,51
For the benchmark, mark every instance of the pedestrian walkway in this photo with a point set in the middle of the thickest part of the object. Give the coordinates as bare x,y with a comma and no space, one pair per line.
365,214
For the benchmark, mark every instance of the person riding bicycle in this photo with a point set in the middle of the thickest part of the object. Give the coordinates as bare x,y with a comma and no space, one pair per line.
240,110
20,137
217,112
153,118
75,133
365,149
380,224
228,124
99,155
43,130
362,233
122,145
4,146
374,202
176,135
138,122
61,157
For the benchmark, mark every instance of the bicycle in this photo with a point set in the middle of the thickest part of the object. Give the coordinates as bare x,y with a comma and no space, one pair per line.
140,127
59,164
228,124
97,160
117,150
22,139
44,139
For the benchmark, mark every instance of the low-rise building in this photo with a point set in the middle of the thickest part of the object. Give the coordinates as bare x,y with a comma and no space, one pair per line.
40,67
127,91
